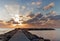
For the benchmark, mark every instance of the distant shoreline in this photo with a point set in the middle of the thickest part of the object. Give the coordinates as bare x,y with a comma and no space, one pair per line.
36,28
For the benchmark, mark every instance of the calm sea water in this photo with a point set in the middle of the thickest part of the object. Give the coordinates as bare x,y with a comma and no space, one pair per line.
5,30
53,35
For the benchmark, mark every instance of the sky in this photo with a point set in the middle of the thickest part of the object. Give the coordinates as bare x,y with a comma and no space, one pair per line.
9,8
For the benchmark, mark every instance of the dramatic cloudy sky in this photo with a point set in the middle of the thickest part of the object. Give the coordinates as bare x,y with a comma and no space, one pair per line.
9,8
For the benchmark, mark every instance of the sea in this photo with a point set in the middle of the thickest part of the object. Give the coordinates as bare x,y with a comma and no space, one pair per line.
53,35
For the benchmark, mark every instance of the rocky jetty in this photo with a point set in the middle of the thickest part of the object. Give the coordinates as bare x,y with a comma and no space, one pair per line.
21,35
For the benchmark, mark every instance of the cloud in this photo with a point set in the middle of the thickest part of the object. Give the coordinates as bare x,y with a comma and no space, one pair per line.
36,3
12,21
52,13
8,11
31,15
12,9
33,3
3,15
28,15
38,15
34,20
49,6
23,7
